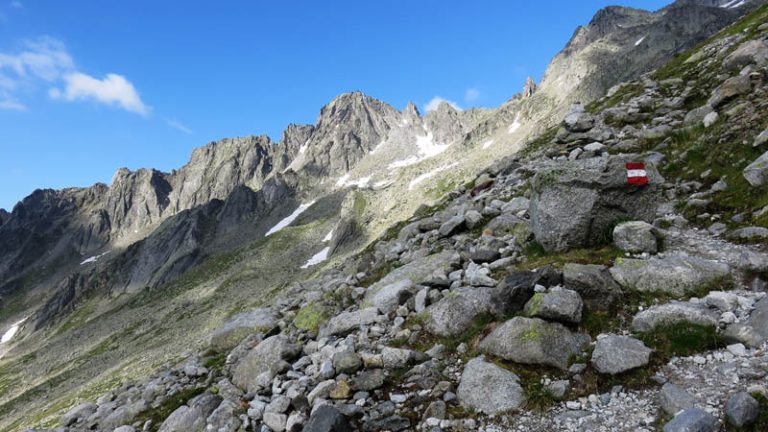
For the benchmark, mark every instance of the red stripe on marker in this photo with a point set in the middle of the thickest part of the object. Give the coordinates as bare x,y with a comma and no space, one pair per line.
636,173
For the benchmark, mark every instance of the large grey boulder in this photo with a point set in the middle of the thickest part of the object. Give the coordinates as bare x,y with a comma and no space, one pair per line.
594,284
224,418
488,388
674,313
240,326
454,313
348,321
758,319
742,409
615,354
673,399
677,274
731,88
534,341
78,413
517,288
635,237
750,52
124,414
697,115
578,120
576,203
756,173
558,304
387,293
693,420
263,358
191,417
327,419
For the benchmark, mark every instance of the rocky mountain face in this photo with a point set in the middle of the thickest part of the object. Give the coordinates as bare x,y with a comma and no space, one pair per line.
534,286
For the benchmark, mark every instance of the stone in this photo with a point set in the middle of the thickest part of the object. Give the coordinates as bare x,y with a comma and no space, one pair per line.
696,116
388,293
594,284
346,322
677,274
125,428
342,390
578,120
557,304
517,288
749,233
452,226
241,325
758,319
635,237
369,380
275,421
516,205
693,420
224,418
710,119
729,89
191,417
750,52
574,203
346,362
263,358
125,414
616,354
488,388
454,313
398,357
76,414
674,313
534,341
327,419
673,399
472,218
742,409
761,138
558,389
724,301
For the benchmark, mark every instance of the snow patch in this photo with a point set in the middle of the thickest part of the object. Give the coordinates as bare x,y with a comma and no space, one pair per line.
93,259
515,124
328,236
733,4
487,143
427,148
344,181
11,332
303,148
639,41
317,258
432,173
288,220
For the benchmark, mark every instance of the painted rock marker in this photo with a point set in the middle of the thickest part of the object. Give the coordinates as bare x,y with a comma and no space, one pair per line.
636,173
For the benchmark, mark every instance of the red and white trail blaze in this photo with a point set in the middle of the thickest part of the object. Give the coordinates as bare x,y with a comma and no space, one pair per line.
636,173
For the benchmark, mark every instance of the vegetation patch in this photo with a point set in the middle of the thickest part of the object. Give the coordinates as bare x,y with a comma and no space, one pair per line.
311,317
681,339
538,257
159,414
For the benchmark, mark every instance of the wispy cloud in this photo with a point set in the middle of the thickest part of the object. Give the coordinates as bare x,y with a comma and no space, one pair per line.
17,5
471,95
46,62
178,126
113,89
436,101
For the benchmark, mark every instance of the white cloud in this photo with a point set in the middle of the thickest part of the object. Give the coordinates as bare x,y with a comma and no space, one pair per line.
436,101
17,4
178,126
113,89
471,95
46,60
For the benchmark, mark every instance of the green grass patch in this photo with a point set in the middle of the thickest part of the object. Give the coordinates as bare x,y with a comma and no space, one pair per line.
538,257
311,317
159,414
681,339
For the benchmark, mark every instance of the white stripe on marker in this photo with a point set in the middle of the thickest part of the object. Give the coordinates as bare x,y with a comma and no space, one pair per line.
636,173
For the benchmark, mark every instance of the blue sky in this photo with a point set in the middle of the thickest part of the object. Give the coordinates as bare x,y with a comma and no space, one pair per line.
87,87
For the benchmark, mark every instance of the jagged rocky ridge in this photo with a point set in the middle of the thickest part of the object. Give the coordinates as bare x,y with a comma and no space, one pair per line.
446,231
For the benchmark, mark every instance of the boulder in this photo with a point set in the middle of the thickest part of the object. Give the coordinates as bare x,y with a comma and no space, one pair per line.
742,409
750,52
240,326
761,139
224,418
454,313
731,88
515,290
578,120
673,399
327,419
674,313
635,237
749,233
558,304
693,420
696,116
76,414
488,388
758,319
595,285
534,341
388,293
576,203
615,354
270,352
756,173
452,226
191,417
348,321
678,274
